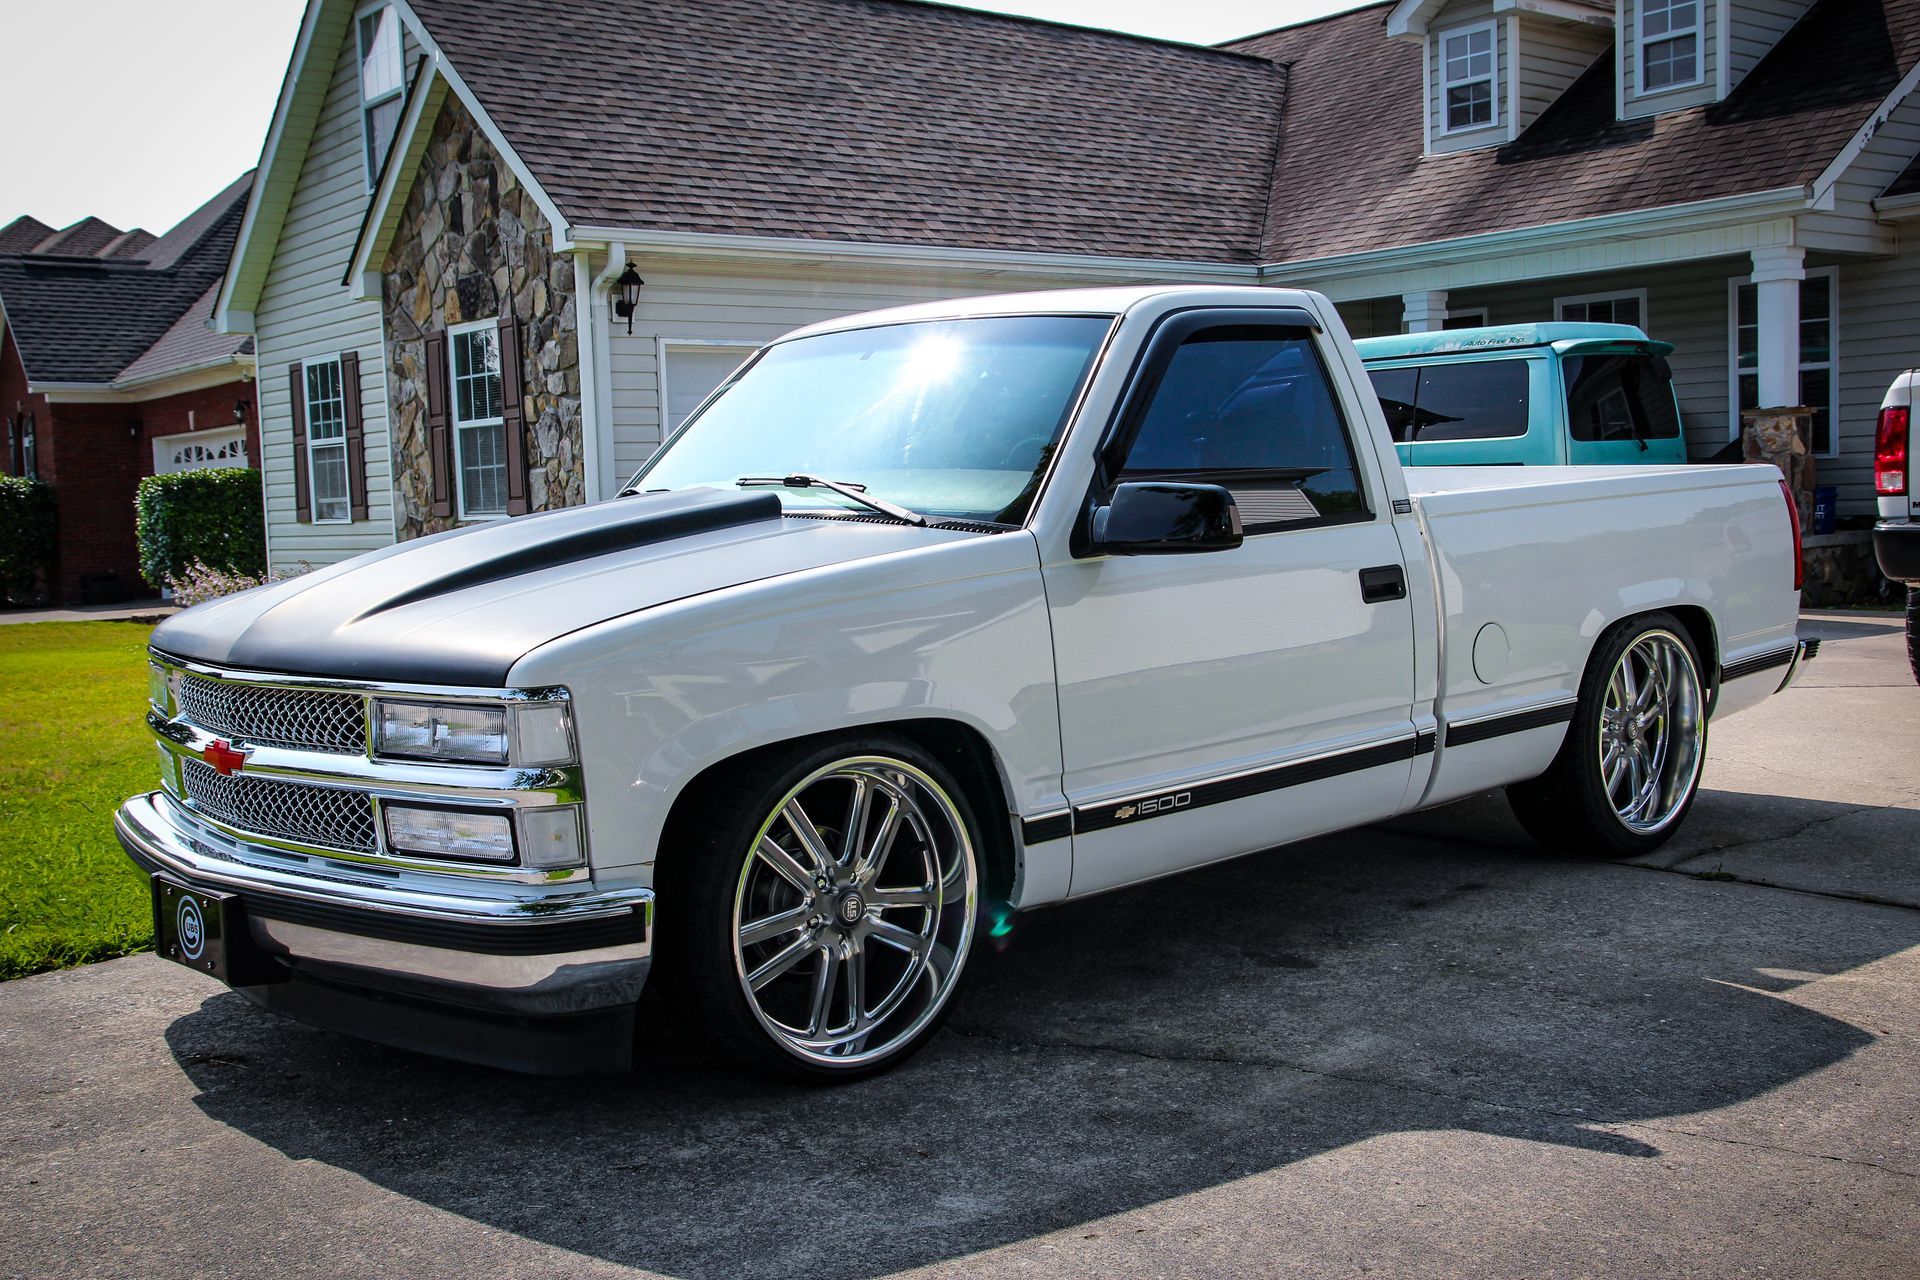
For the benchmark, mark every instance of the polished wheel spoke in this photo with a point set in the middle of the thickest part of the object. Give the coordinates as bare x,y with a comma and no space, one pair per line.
907,940
853,842
781,962
782,861
887,899
825,980
767,928
874,855
808,835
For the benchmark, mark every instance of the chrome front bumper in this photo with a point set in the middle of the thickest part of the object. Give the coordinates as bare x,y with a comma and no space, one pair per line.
485,948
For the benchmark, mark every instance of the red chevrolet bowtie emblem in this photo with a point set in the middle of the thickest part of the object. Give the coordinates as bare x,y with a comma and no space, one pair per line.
225,758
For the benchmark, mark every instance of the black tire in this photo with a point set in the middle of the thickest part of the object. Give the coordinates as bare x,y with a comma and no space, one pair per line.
715,887
1913,631
1571,808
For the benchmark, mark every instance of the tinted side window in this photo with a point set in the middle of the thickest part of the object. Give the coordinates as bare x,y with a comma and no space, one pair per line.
1620,397
1251,409
1471,400
1466,400
1396,389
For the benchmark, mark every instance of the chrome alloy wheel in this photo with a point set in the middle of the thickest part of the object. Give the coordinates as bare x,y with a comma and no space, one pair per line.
1652,731
855,910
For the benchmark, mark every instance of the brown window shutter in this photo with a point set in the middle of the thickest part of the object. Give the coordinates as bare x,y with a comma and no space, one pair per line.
512,389
439,433
297,387
356,435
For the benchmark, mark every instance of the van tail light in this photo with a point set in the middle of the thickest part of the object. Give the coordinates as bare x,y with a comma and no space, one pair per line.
1793,519
1890,452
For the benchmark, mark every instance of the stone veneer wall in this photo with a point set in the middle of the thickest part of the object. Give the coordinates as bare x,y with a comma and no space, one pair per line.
471,244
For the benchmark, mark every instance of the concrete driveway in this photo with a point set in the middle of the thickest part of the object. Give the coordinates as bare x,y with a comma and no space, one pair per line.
1420,1049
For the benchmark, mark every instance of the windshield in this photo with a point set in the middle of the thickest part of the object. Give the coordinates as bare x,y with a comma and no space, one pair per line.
952,418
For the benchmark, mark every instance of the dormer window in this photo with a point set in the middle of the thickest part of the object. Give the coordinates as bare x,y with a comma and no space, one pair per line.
1669,44
1467,78
381,80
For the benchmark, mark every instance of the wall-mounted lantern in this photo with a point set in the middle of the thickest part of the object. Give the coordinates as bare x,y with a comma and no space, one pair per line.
240,411
628,286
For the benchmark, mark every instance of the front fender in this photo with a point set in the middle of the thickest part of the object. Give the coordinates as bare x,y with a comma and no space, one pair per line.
957,631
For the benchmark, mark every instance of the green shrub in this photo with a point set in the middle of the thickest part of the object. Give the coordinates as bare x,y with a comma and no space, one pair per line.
26,538
210,517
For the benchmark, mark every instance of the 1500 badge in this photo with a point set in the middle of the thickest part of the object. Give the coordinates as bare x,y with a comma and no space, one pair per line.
1154,807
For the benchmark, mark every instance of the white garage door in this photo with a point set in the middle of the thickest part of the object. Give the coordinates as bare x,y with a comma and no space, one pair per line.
690,372
198,450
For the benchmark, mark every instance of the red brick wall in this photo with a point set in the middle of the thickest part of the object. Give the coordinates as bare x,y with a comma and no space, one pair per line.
206,410
14,400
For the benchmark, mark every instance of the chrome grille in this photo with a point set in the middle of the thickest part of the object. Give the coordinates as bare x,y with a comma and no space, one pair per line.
304,719
334,818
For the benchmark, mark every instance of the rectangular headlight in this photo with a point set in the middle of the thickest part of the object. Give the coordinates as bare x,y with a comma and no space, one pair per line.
454,731
526,734
157,689
450,833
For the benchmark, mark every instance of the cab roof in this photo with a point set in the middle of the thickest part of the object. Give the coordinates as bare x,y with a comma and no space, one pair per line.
1561,336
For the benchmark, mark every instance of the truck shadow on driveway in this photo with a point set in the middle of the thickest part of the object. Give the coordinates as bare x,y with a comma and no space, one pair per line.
1115,1053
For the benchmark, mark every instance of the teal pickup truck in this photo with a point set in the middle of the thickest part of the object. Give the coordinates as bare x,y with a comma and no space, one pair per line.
1527,394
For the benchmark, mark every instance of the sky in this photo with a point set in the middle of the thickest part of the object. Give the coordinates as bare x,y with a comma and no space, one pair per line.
169,102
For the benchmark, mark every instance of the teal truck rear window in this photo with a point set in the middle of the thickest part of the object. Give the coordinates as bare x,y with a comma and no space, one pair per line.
1619,397
1459,400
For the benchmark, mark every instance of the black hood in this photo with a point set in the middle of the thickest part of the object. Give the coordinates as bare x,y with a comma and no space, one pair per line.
460,608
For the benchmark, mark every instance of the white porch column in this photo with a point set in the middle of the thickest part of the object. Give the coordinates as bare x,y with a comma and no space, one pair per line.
1777,273
1424,312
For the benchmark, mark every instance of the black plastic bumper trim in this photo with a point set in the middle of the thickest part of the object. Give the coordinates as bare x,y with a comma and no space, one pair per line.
1040,830
1896,545
1200,795
1757,663
1460,735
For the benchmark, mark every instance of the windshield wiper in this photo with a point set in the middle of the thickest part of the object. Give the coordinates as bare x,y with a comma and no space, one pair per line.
851,492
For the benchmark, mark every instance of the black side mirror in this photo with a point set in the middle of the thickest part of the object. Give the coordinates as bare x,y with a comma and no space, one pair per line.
1159,517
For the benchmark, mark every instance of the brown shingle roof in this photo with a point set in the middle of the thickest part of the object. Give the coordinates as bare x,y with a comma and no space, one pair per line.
1351,176
83,239
20,235
877,121
187,344
86,319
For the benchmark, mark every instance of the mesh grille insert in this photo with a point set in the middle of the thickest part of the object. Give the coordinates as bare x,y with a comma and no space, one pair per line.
304,719
285,810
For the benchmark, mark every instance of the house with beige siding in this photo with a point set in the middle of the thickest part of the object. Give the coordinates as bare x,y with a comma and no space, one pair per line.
447,203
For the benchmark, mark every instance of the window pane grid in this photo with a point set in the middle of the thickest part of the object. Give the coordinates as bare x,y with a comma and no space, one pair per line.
1467,74
1816,353
474,355
326,406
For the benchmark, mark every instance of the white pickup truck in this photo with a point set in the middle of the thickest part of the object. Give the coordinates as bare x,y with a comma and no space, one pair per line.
925,617
1896,535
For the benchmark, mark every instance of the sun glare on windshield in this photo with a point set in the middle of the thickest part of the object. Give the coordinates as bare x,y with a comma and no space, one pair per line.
932,359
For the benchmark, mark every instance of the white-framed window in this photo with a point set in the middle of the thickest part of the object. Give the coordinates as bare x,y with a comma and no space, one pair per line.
382,77
326,440
29,454
1624,306
1465,318
690,368
1669,41
1467,73
1819,352
479,423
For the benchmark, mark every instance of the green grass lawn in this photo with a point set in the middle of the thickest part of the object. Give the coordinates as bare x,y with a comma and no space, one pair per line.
72,746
